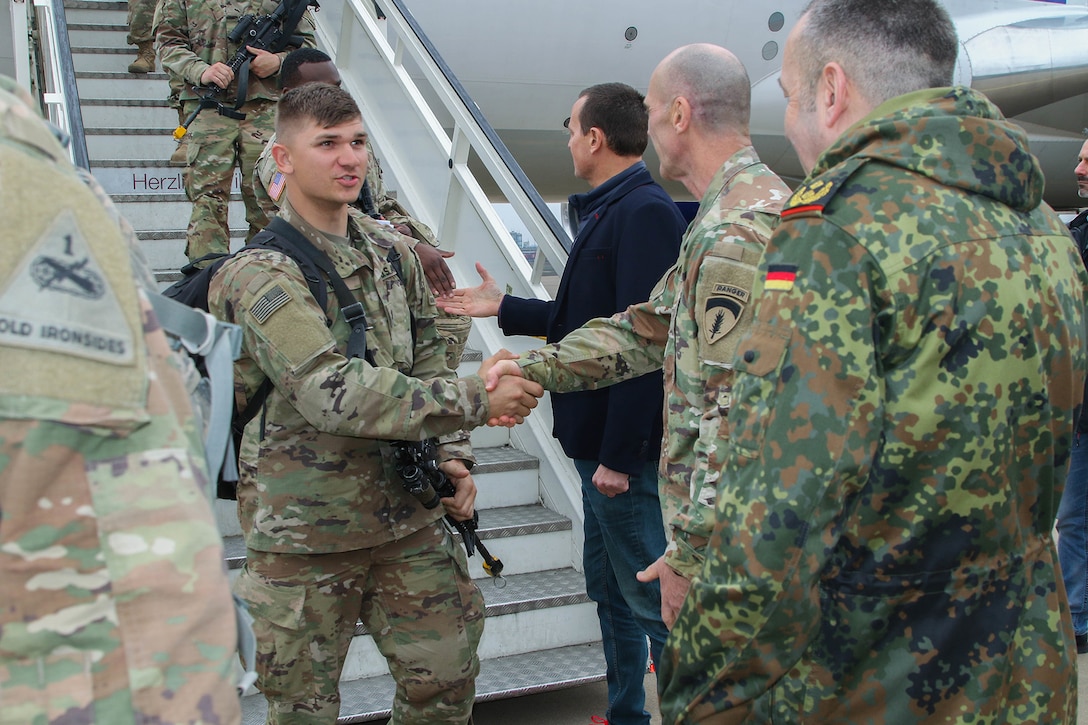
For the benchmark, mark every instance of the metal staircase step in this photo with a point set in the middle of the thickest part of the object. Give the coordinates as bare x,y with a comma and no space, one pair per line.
524,538
104,84
125,112
526,674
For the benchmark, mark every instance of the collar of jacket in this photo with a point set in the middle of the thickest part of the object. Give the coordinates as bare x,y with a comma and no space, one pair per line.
583,205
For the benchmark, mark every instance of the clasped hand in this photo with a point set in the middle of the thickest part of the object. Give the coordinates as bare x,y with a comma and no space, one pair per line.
510,396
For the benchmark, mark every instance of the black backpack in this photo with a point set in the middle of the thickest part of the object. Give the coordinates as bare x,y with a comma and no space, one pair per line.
192,290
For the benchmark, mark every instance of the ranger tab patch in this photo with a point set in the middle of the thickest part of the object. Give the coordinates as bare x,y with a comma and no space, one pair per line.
722,311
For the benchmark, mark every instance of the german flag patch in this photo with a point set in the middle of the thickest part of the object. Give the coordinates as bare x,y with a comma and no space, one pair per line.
780,277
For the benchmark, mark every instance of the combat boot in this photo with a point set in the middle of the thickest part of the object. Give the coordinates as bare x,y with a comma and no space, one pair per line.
145,58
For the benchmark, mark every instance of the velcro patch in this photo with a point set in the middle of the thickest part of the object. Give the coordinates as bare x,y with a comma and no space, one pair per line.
279,183
780,277
269,302
722,310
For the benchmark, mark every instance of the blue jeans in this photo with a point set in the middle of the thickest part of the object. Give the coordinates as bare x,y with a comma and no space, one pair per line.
623,535
1073,534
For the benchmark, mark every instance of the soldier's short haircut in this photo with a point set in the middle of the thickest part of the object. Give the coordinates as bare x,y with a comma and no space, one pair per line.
886,48
289,73
618,110
325,105
714,83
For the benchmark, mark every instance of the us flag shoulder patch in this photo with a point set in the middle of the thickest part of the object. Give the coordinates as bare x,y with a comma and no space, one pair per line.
780,277
275,189
269,302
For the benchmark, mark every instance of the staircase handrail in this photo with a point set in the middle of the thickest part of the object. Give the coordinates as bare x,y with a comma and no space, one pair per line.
56,76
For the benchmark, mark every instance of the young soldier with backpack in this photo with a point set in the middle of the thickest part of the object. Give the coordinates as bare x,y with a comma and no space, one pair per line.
332,535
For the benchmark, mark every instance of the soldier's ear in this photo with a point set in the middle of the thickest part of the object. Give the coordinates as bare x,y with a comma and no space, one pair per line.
282,156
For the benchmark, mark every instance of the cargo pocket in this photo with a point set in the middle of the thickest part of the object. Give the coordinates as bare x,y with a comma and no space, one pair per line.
284,668
757,373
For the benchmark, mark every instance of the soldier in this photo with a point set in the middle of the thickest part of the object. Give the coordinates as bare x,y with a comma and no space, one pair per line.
331,534
141,33
116,605
193,43
902,410
699,104
310,65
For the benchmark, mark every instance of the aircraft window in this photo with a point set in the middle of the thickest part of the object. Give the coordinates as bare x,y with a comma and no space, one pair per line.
775,23
631,33
770,50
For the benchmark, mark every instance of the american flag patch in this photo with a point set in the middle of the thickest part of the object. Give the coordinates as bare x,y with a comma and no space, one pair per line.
780,277
275,189
270,301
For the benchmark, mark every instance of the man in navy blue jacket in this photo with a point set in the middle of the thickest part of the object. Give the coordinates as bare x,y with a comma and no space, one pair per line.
628,235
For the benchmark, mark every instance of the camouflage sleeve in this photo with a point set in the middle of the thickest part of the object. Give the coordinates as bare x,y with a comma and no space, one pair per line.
804,428
719,294
284,333
608,350
429,358
175,47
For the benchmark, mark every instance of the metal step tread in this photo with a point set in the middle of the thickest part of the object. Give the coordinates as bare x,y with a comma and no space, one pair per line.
496,523
128,131
129,198
105,50
370,699
95,5
122,75
126,163
125,102
107,27
180,233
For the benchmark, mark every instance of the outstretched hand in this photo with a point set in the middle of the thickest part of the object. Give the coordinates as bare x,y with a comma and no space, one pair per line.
480,301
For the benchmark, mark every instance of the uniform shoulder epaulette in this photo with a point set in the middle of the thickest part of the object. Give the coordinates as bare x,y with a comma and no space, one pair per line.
810,199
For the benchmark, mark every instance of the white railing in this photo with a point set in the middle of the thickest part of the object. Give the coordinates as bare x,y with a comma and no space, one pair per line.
425,134
46,64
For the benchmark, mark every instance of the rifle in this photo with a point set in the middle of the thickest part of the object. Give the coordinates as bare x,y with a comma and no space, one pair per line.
273,33
417,465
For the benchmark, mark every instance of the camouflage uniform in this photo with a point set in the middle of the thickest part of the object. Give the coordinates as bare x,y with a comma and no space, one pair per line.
331,534
454,329
116,606
192,35
689,326
902,419
141,27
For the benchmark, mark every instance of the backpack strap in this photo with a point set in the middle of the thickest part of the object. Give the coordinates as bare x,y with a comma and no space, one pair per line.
219,343
351,308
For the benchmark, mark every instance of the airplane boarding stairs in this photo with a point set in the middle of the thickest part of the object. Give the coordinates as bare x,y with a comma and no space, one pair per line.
541,630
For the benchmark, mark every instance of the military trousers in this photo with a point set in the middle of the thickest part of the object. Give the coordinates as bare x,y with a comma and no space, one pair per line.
414,597
217,146
141,26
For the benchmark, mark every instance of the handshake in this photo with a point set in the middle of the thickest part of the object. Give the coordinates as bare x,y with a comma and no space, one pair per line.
510,396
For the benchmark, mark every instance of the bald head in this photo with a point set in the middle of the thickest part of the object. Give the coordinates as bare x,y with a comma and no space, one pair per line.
715,83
